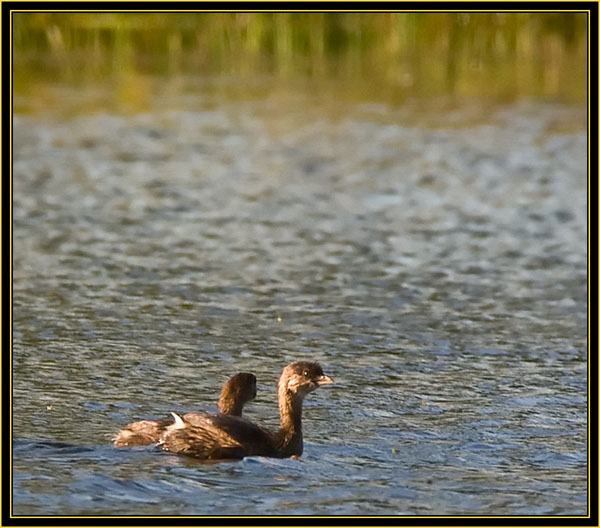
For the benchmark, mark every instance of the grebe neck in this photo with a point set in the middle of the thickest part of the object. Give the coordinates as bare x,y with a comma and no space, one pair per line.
289,436
229,405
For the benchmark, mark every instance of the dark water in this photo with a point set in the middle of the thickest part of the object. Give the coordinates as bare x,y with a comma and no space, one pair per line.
434,263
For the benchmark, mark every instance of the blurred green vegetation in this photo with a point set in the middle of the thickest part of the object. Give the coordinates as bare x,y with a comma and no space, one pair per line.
391,56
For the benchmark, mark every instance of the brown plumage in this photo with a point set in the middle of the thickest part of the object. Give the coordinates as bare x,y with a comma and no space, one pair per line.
226,437
237,391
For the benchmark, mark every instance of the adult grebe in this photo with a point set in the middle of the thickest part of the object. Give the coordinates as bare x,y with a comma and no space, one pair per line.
230,437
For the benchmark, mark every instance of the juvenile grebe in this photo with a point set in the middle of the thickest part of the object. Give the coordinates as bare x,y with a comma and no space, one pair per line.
229,437
237,391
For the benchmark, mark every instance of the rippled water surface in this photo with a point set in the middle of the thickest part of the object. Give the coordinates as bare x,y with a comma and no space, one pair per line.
434,263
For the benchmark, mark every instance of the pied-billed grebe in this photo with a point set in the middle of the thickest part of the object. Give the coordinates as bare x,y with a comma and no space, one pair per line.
237,391
229,437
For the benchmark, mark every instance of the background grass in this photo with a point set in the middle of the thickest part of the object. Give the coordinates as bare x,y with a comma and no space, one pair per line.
377,55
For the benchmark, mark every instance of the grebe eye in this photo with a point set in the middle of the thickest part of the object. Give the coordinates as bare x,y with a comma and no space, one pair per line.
305,373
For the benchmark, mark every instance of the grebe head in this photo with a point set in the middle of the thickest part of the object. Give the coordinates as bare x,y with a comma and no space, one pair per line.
303,377
242,386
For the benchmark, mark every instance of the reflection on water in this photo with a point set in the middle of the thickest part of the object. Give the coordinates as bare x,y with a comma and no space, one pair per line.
379,56
434,263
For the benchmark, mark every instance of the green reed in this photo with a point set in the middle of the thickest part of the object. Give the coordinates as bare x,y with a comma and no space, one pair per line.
499,55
